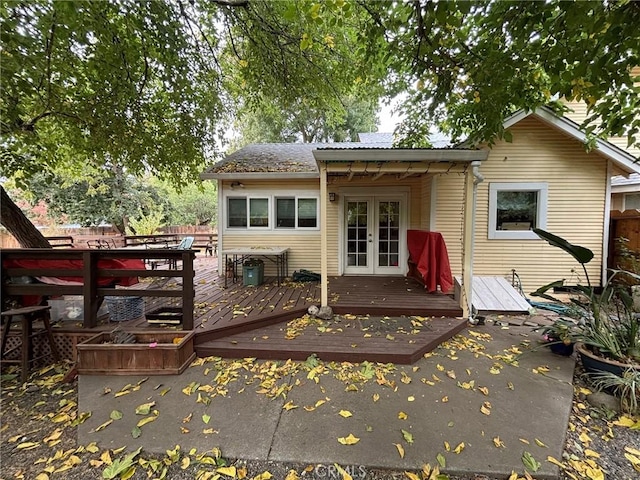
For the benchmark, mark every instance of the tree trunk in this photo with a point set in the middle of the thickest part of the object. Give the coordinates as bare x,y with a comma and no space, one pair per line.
18,225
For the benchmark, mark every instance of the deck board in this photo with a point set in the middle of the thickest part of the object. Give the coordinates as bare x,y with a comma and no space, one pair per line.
495,295
269,304
349,344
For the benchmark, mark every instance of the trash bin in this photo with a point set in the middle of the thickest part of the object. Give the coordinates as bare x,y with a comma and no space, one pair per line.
253,272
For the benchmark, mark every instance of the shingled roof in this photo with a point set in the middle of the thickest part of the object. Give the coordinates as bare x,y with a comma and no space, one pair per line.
294,158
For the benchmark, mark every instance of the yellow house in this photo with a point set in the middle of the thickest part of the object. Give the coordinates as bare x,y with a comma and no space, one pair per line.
345,208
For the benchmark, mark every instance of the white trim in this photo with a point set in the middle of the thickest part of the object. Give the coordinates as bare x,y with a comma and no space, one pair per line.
543,193
606,225
620,157
631,188
220,191
270,195
433,204
295,228
398,155
397,193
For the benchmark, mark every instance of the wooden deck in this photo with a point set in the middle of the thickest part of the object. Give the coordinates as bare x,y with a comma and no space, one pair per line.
342,340
239,310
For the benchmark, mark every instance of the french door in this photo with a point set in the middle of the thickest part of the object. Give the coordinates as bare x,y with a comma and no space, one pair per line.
374,235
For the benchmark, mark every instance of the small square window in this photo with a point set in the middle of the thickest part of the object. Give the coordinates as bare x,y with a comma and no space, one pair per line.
515,209
258,212
237,212
307,212
285,212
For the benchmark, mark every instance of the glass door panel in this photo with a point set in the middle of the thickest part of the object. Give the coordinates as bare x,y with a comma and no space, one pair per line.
388,234
358,235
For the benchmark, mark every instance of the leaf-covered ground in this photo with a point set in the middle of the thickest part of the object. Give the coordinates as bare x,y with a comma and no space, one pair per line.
39,441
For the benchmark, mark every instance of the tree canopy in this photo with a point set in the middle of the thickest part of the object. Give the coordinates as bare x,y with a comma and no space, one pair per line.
152,86
466,66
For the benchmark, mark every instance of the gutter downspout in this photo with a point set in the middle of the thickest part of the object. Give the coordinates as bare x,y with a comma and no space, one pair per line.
472,179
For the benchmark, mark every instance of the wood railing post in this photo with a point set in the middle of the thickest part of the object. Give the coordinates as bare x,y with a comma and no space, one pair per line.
90,287
188,290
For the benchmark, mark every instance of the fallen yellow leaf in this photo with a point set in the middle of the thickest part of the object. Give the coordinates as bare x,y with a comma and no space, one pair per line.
345,413
400,449
263,476
228,471
631,450
551,459
146,420
343,472
402,416
349,440
411,476
292,475
459,448
289,405
590,453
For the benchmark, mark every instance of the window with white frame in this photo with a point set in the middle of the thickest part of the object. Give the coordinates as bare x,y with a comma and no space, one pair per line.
292,212
288,212
251,212
515,209
632,201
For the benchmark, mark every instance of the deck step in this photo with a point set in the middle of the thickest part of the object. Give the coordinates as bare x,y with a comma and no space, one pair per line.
494,295
346,345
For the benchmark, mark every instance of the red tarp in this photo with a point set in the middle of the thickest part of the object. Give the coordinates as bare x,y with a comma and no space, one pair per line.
107,263
429,261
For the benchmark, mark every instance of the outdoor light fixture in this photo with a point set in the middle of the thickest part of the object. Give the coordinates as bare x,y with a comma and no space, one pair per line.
236,185
332,196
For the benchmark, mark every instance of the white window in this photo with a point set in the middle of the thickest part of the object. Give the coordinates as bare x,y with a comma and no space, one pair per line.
294,212
265,211
243,211
516,208
631,201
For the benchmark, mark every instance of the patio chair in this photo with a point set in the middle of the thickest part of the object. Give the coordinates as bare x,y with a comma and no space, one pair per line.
185,244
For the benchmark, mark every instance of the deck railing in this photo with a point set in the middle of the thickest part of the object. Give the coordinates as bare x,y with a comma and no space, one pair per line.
87,261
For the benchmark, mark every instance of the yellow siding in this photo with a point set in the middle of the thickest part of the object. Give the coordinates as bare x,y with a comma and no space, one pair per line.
576,202
304,245
425,203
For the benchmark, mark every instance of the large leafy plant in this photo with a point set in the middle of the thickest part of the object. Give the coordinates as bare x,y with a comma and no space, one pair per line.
607,325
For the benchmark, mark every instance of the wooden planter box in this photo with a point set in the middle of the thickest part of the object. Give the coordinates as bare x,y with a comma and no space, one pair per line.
98,358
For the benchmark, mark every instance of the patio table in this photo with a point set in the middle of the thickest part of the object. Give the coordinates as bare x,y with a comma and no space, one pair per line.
236,256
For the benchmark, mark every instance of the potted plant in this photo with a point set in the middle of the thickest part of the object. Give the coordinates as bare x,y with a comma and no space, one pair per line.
560,336
625,386
608,329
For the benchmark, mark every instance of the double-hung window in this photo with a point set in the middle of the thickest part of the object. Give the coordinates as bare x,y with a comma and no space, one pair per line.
515,209
243,212
292,212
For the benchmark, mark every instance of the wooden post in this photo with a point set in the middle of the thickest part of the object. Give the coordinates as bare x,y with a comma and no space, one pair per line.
467,241
90,287
188,290
324,284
